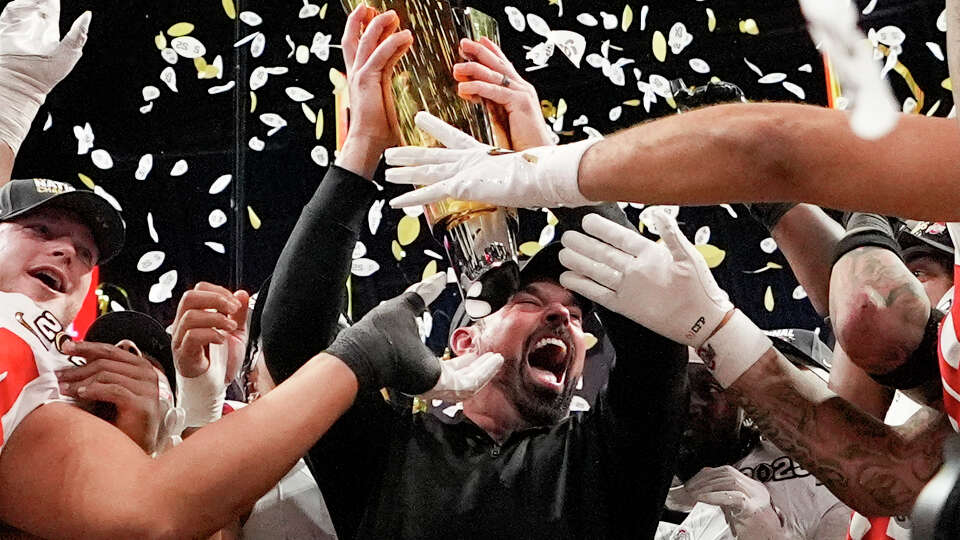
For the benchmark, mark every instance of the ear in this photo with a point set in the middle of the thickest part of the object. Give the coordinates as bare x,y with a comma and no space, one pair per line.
464,340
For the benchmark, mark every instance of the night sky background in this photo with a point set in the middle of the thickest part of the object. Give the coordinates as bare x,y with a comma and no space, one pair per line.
211,133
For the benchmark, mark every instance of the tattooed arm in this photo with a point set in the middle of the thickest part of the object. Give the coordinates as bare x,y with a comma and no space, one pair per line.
874,468
878,308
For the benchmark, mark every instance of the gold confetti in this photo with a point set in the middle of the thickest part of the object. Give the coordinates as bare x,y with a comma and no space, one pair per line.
547,108
770,266
768,299
589,340
659,46
712,254
947,84
254,218
318,132
430,270
339,81
530,248
749,26
632,103
160,41
323,11
627,18
308,112
552,219
180,29
253,101
398,252
715,79
408,230
229,8
711,20
87,181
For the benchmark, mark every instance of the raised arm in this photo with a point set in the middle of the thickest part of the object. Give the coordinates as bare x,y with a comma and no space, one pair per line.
875,469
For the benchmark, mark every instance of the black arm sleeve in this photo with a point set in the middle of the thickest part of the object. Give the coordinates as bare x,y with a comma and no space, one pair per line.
307,289
642,412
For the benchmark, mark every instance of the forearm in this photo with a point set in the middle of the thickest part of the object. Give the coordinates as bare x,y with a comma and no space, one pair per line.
777,152
807,236
6,163
308,285
854,385
871,467
878,309
834,523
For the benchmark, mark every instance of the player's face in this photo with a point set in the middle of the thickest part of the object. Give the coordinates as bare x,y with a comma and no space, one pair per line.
539,332
713,424
936,279
47,255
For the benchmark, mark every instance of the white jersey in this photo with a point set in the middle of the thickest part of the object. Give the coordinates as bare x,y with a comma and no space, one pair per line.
29,357
802,500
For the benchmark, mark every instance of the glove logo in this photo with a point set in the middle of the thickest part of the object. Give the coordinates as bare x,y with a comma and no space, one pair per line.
697,326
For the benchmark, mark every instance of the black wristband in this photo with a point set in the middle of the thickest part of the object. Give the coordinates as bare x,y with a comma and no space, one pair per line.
769,214
922,365
865,229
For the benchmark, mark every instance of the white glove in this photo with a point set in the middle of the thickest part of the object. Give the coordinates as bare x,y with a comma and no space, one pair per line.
745,503
833,25
464,376
666,287
32,61
545,176
202,397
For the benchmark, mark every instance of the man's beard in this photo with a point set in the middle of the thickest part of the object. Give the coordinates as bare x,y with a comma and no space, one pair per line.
539,406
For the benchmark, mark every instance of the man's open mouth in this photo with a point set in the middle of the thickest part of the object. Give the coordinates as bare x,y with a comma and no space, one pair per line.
548,358
50,277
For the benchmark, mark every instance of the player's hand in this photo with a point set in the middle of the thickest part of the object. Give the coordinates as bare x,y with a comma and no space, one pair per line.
545,176
371,48
384,349
745,503
209,314
33,60
120,376
488,76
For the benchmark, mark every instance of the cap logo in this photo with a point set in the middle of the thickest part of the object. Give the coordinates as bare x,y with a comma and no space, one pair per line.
42,185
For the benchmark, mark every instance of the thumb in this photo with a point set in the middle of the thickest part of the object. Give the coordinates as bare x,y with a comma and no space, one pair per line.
670,232
77,36
430,288
446,134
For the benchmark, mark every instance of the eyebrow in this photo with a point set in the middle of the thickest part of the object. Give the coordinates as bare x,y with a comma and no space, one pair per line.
535,290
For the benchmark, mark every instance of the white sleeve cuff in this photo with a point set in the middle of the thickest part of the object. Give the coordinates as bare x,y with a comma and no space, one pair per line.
561,172
735,347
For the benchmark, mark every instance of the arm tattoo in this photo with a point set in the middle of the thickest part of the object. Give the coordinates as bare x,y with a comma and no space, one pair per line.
875,469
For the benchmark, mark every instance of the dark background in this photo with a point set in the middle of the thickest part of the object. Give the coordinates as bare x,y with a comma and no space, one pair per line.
211,132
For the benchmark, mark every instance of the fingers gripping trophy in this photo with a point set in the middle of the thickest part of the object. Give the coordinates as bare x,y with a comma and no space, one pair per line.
480,239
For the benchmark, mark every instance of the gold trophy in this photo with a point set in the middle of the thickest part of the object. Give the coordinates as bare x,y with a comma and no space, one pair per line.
480,239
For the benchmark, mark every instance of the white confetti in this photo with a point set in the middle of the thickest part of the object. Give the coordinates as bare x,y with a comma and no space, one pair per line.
303,54
110,198
308,10
580,121
144,167
699,65
84,137
702,236
320,155
146,108
169,77
298,94
256,144
273,120
891,36
806,68
935,49
614,114
258,45
578,404
364,267
321,46
546,235
48,123
768,245
179,168
413,211
168,280
101,159
870,7
609,21
587,19
150,261
188,47
158,293
258,78
169,55
942,21
799,293
220,184
753,67
679,38
359,250
433,254
151,229
375,215
772,78
730,210
795,90
246,39
216,246
643,17
222,88
217,218
150,93
250,18
909,105
515,18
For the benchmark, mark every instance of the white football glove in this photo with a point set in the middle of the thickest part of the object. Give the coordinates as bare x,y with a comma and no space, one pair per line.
33,60
745,503
464,376
666,287
545,176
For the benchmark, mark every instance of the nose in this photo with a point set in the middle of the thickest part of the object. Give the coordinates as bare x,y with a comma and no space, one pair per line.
63,247
556,314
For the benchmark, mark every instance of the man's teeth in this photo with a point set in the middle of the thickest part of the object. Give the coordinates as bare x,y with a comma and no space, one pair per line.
551,341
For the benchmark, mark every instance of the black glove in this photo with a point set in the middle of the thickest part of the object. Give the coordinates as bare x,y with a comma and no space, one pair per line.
769,214
866,229
384,348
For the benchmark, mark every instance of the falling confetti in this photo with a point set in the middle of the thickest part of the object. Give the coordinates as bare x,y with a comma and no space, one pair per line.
220,184
179,168
627,18
408,230
254,218
180,29
150,261
659,46
768,299
217,218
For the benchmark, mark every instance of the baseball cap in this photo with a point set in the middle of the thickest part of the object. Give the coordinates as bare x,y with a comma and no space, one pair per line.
919,237
142,329
544,265
20,197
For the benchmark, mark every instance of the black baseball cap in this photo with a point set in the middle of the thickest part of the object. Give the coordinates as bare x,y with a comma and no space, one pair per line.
917,238
543,266
149,335
20,197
